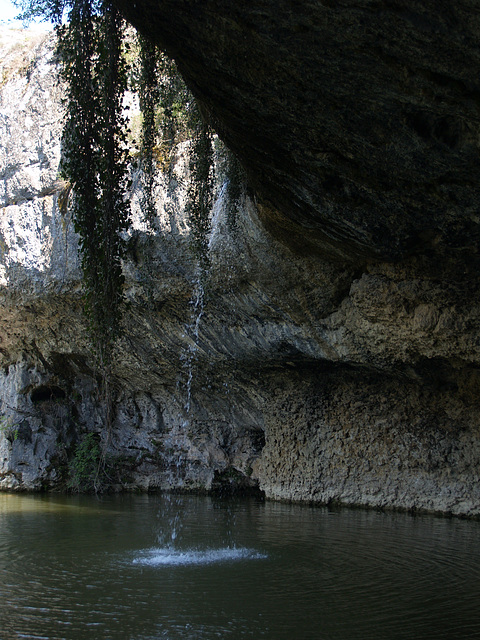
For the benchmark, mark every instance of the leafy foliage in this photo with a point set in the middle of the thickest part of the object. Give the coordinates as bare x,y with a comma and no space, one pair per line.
51,10
85,466
8,428
149,94
97,61
95,57
95,158
176,105
169,113
200,188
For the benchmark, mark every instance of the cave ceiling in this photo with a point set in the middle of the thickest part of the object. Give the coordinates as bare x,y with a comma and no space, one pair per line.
357,121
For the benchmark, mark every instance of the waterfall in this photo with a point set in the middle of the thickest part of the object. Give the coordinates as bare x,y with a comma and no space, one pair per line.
192,332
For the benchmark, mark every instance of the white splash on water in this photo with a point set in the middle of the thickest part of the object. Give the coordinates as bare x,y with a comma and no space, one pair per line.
168,556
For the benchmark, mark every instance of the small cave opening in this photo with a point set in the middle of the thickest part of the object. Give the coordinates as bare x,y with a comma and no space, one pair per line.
232,482
45,393
258,439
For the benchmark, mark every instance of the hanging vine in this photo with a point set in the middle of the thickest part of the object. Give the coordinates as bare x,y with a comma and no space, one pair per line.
93,51
176,104
149,96
200,187
91,46
234,182
171,116
95,159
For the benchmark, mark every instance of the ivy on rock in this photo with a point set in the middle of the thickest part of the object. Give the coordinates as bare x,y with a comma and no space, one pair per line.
200,187
95,159
99,57
149,95
96,59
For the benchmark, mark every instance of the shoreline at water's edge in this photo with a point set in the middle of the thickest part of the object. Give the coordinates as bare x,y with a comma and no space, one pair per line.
332,505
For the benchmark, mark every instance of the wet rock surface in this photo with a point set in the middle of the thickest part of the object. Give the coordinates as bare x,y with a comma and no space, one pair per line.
308,377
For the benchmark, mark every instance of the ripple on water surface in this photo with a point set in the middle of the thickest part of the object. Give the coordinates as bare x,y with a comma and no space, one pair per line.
184,568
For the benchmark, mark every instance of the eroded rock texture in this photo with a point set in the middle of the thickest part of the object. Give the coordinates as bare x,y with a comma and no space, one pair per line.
332,352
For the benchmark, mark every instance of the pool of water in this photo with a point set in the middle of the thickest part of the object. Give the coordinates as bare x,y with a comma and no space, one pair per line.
175,567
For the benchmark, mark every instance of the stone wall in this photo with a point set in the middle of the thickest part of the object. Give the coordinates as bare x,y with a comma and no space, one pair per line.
284,370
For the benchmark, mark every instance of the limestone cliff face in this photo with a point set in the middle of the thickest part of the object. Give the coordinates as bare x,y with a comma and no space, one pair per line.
302,364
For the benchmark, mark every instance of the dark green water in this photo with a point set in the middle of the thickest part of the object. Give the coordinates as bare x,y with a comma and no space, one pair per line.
153,567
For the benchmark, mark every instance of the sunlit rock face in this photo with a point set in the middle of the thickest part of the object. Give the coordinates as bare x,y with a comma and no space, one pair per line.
301,364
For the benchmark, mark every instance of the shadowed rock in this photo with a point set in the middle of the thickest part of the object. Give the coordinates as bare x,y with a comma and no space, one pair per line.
357,122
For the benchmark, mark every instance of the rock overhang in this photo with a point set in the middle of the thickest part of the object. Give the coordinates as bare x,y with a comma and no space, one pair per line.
357,122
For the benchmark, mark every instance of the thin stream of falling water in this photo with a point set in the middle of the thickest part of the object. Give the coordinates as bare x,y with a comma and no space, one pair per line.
188,358
192,329
170,515
190,352
192,332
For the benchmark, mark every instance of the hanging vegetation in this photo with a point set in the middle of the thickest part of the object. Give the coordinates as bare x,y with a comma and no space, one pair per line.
171,116
95,160
235,183
149,95
200,187
98,54
93,52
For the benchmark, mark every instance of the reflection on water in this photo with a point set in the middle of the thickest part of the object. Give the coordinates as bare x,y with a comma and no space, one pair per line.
152,567
25,503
